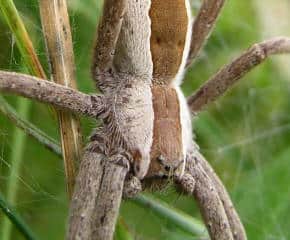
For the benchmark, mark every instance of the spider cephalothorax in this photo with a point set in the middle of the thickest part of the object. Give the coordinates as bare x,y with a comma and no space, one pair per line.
148,114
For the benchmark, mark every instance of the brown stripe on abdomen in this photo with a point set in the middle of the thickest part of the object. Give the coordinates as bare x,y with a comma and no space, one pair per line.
169,22
166,151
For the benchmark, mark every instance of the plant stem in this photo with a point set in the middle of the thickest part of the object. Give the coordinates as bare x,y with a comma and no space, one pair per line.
122,232
18,143
177,217
57,33
22,38
29,128
16,220
33,64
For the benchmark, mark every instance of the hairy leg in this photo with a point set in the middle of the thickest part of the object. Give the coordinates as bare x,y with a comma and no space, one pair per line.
107,35
227,76
52,93
236,225
109,196
198,183
202,26
98,192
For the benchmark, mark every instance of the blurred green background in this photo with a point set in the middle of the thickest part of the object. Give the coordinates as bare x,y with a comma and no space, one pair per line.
244,135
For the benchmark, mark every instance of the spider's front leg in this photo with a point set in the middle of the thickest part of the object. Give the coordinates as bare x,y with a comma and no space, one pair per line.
52,93
132,184
99,189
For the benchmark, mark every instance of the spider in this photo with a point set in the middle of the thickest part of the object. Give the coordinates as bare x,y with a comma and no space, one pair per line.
123,73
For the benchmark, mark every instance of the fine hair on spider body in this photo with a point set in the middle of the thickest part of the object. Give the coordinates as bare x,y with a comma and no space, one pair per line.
141,53
158,145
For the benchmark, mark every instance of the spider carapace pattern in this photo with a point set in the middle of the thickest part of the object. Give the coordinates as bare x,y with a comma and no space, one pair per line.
143,48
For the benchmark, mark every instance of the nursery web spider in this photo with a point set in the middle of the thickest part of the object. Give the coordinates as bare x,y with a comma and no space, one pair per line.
99,185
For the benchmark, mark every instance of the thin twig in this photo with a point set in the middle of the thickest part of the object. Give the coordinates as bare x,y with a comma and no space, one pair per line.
16,220
49,92
203,25
231,73
29,128
56,28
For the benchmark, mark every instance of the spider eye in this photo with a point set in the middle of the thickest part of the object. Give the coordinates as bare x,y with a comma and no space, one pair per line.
136,168
167,168
161,159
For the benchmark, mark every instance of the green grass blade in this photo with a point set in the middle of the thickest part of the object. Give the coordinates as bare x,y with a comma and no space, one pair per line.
29,128
18,143
122,232
22,38
33,65
16,220
175,216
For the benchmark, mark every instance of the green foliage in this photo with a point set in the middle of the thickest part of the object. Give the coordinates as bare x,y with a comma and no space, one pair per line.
16,220
245,135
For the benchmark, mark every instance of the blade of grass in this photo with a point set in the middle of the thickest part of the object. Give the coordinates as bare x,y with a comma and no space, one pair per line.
173,215
22,38
32,63
16,220
56,28
29,128
122,232
18,143
30,58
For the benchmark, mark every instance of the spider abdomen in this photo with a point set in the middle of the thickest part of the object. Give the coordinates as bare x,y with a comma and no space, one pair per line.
170,38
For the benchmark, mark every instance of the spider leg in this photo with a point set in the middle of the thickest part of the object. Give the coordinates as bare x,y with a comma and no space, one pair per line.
109,196
52,93
202,26
231,73
236,225
197,182
98,191
107,35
